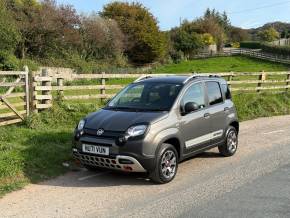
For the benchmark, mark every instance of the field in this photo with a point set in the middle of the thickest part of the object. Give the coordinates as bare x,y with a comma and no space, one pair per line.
222,64
36,150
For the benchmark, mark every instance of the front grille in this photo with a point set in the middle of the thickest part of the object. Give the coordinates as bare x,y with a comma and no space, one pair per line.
106,134
98,161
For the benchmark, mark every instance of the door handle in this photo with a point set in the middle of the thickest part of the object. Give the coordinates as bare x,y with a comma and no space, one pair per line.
206,115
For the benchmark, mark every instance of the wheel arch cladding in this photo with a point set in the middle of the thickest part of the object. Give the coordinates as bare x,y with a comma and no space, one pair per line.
236,125
176,144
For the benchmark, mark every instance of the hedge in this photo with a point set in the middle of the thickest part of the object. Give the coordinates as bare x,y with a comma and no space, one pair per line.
250,44
281,50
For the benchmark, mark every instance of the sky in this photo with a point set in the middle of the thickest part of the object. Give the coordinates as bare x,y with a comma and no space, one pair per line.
242,13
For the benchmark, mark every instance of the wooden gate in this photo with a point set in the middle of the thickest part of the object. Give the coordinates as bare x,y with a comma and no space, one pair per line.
14,96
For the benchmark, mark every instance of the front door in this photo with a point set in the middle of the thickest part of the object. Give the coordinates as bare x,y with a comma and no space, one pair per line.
194,127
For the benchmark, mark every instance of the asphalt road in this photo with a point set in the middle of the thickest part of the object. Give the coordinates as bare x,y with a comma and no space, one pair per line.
253,183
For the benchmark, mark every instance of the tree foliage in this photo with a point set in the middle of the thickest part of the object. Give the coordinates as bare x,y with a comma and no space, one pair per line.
144,41
238,34
189,42
269,35
9,34
101,37
56,34
49,32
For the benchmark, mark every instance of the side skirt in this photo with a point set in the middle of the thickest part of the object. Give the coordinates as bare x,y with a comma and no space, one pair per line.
198,151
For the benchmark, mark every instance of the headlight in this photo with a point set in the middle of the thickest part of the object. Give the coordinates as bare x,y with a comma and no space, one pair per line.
136,130
81,124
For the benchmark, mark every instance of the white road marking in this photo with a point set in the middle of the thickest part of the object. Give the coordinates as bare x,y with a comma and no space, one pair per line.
92,176
272,132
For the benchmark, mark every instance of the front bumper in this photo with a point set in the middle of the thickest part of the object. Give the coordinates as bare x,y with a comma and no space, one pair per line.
137,159
120,162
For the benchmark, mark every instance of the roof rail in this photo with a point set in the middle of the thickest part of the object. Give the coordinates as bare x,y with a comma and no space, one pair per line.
142,78
197,75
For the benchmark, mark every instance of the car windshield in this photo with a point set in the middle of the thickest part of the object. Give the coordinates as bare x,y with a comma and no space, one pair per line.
146,96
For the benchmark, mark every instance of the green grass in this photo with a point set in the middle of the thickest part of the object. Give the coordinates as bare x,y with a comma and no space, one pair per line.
35,151
222,64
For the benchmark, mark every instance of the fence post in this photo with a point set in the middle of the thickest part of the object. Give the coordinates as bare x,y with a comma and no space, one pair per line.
262,78
46,84
27,94
288,81
32,92
103,89
60,86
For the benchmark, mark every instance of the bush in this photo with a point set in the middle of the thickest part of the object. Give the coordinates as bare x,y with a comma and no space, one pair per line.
8,61
177,56
32,65
251,45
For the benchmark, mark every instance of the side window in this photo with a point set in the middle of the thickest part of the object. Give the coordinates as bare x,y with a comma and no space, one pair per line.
226,91
194,93
214,93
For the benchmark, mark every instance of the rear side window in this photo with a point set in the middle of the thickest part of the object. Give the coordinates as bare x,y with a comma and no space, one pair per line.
226,91
214,93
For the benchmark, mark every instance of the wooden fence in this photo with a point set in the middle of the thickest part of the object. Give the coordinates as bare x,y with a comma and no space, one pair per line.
239,82
256,53
39,91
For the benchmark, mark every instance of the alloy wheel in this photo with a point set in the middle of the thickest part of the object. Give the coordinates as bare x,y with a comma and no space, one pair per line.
168,164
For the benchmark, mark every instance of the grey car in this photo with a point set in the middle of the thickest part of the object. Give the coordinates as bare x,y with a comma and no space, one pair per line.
156,122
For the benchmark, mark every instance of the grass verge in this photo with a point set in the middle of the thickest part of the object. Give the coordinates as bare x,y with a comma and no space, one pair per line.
34,151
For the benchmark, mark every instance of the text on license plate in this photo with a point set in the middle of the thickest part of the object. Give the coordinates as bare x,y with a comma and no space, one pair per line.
94,149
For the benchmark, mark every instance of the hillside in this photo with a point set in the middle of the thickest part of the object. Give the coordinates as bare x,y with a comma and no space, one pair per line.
281,27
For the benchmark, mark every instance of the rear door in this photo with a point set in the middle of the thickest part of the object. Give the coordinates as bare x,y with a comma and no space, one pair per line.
194,126
217,111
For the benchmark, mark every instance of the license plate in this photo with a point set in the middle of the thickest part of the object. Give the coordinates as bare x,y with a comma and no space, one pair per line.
94,149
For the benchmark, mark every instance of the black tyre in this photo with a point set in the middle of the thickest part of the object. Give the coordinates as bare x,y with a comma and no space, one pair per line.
166,165
229,148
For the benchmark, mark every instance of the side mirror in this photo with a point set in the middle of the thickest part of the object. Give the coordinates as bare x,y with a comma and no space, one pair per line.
190,107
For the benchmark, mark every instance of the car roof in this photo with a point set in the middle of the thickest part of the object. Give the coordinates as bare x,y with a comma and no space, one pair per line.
165,79
183,79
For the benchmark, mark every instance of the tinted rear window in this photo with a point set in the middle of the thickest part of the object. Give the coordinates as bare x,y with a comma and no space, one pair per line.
214,93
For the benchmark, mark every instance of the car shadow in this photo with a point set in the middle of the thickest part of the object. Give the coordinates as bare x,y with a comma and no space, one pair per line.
46,153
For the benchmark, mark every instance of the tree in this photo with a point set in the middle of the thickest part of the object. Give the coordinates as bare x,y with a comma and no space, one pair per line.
237,34
187,42
144,41
211,25
102,38
23,13
46,28
9,34
285,34
221,19
269,35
